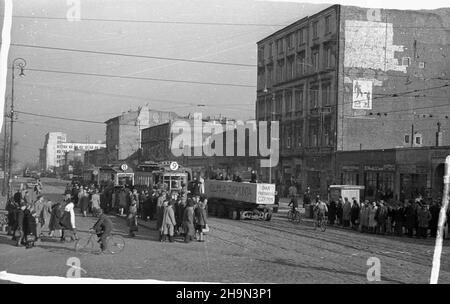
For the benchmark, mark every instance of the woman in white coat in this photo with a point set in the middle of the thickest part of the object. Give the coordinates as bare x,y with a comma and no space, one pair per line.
68,221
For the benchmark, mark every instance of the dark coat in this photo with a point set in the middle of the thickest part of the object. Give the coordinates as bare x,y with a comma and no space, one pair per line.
29,223
188,221
55,217
332,211
103,225
410,217
354,211
200,217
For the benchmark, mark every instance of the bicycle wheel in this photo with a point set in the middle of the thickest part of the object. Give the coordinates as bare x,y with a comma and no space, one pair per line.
290,216
323,226
115,244
84,245
298,218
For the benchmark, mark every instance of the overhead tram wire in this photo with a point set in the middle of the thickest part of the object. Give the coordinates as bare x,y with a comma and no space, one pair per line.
144,78
133,55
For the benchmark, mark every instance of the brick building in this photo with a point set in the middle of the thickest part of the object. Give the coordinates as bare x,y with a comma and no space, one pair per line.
354,79
123,133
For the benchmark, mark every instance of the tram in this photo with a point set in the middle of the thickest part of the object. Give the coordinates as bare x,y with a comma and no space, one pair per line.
117,174
170,174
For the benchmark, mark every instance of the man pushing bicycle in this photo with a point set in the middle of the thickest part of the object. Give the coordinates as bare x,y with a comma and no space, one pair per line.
320,209
103,228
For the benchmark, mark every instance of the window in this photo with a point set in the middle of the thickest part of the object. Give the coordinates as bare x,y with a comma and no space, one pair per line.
349,178
290,41
371,183
261,108
278,104
327,59
300,65
288,141
269,108
406,139
270,49
315,60
327,24
326,94
314,27
280,46
299,134
418,139
300,37
298,100
270,76
406,61
327,138
288,102
314,97
314,132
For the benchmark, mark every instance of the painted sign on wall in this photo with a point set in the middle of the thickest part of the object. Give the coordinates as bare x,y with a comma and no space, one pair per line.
362,95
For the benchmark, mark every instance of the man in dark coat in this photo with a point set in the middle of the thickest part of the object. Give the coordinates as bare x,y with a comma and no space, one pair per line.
332,212
103,228
18,226
410,219
434,210
354,214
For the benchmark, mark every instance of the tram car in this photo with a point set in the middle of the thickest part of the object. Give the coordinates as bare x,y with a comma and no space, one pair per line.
117,174
151,174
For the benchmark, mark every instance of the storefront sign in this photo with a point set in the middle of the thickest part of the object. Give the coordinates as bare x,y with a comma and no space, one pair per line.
350,168
380,168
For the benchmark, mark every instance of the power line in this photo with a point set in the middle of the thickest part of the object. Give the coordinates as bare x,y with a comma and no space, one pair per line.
132,55
144,78
154,21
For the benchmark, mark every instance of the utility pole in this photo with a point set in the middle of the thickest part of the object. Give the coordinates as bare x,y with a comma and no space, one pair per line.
5,152
20,64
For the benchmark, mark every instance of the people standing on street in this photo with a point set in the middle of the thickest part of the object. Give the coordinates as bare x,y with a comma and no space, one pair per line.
46,216
372,221
68,222
332,212
423,219
381,218
132,218
160,210
307,197
83,201
354,214
435,209
188,221
54,224
123,201
410,219
95,202
398,218
346,213
18,233
200,219
168,222
340,211
30,223
38,210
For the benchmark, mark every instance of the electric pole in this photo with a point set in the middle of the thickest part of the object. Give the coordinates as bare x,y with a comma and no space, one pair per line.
18,63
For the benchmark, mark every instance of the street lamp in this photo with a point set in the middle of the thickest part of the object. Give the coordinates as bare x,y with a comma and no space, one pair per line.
17,64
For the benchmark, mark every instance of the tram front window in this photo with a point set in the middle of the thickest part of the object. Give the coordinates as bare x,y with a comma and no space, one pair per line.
125,181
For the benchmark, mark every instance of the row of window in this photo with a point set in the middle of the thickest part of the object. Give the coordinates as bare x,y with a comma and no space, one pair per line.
298,37
297,65
292,100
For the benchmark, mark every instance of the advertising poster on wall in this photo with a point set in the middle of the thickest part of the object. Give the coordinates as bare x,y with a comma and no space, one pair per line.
362,95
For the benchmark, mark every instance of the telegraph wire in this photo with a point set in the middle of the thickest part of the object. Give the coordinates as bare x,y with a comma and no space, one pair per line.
133,55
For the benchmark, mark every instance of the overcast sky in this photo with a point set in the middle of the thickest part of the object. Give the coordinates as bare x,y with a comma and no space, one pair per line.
100,98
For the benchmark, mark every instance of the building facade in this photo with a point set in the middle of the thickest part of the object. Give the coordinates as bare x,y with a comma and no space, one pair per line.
354,79
56,146
123,133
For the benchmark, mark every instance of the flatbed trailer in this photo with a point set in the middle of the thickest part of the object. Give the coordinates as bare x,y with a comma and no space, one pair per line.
240,200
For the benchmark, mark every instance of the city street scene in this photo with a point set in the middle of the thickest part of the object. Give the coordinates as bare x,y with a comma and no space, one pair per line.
225,142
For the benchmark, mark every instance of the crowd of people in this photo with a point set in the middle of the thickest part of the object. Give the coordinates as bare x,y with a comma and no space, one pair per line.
413,218
176,213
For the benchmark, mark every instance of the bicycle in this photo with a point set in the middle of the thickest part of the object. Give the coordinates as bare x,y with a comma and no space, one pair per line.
322,223
116,243
294,216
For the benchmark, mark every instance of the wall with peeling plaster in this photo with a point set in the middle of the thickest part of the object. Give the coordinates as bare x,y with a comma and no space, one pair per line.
373,45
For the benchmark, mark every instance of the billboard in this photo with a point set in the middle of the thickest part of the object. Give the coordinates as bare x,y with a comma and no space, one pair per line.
362,95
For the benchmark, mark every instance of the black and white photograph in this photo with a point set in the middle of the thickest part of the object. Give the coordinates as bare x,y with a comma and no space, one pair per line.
209,143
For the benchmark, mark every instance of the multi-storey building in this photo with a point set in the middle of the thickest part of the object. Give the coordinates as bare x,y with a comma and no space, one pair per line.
55,149
123,133
355,79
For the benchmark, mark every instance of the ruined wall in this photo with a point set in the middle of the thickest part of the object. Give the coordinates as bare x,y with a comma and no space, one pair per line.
394,78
